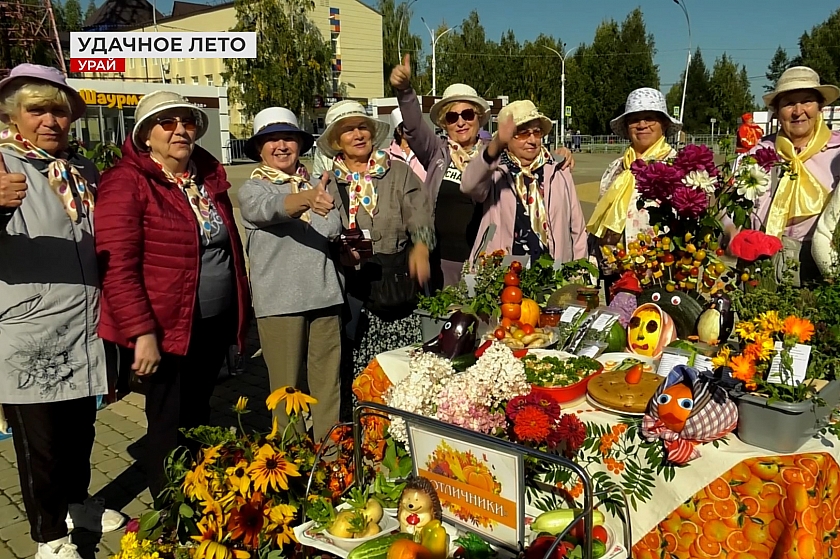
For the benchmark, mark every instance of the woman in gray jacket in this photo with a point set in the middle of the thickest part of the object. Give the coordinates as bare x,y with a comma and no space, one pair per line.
52,363
296,287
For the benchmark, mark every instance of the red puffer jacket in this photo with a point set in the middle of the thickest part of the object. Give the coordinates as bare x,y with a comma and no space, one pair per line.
148,248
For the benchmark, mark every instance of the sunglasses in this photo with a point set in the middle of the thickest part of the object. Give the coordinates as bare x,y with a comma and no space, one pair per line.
170,123
525,134
467,114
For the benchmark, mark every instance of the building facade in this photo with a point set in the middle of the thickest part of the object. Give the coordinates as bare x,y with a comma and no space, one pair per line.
353,29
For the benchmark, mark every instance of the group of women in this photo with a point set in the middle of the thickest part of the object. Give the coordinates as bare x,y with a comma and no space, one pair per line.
142,270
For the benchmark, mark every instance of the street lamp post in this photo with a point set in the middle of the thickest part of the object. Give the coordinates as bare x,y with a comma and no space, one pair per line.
681,4
399,33
562,91
434,52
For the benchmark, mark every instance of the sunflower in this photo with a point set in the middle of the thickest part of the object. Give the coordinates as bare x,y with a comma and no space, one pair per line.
722,358
215,550
745,331
770,322
237,478
743,368
296,401
246,522
270,468
802,328
761,349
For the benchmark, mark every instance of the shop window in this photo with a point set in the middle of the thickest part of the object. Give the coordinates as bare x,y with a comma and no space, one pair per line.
195,80
209,79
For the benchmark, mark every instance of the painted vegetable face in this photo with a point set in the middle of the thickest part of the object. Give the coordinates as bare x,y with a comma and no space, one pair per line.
650,331
457,336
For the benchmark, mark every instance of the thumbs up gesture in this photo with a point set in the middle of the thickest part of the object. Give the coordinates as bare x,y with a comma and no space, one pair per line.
321,202
401,74
12,188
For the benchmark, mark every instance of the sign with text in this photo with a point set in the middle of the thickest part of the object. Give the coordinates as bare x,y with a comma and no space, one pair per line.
180,44
97,65
481,487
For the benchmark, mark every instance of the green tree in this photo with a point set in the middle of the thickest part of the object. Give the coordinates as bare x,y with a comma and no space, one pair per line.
397,38
91,8
819,49
293,63
73,18
463,56
730,96
777,66
697,98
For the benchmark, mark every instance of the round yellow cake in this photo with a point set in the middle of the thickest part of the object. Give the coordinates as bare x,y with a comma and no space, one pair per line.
612,391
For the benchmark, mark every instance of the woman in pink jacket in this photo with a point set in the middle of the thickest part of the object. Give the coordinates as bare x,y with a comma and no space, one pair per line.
527,197
399,148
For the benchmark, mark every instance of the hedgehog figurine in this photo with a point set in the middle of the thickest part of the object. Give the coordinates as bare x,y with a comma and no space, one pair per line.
419,504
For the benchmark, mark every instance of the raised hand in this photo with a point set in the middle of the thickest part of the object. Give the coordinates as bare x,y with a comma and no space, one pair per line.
507,130
12,188
321,202
401,74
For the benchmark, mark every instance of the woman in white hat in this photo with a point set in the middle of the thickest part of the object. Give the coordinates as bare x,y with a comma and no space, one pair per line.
174,290
52,363
527,196
289,223
647,124
383,201
399,148
790,208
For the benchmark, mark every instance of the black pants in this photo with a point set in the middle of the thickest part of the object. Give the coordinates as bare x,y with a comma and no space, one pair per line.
53,442
178,394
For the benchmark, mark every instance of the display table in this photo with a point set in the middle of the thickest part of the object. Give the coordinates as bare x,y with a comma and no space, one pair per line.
734,498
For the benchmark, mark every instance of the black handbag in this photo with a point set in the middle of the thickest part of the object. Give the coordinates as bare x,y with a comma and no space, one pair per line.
385,286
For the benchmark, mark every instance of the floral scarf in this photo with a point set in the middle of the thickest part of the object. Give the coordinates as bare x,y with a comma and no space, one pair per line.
360,188
460,156
58,173
527,186
799,193
200,204
299,181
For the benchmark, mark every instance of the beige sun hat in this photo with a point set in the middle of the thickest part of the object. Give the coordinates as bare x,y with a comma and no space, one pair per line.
524,112
155,103
342,110
801,77
459,92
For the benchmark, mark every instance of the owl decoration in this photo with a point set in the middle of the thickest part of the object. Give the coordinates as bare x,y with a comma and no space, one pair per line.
716,322
457,337
687,410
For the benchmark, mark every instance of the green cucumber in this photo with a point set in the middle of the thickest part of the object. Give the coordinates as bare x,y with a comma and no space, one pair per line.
377,548
463,362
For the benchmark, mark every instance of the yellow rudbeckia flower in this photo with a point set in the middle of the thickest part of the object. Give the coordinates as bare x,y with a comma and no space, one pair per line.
296,401
271,469
241,404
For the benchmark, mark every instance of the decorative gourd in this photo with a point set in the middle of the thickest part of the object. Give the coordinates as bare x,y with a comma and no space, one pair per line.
530,312
650,331
683,307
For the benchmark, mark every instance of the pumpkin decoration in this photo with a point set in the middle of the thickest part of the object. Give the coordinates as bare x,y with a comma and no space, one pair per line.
530,313
650,330
419,504
408,549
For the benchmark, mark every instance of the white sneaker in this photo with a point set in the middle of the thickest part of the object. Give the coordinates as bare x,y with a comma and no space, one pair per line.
64,551
94,517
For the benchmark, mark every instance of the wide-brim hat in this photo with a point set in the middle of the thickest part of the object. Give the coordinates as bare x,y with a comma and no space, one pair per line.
342,111
28,72
272,120
524,112
158,101
643,100
801,77
463,93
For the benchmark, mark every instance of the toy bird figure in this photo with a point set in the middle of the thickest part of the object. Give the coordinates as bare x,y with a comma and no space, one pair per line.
687,410
716,322
457,336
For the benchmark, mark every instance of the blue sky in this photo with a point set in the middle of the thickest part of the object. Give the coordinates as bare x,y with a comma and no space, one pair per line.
748,31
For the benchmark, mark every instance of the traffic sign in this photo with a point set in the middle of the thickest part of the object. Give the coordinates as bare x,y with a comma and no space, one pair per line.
568,111
676,111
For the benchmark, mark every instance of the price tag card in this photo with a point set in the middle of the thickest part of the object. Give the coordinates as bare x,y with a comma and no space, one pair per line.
604,321
800,354
670,359
589,351
703,363
571,313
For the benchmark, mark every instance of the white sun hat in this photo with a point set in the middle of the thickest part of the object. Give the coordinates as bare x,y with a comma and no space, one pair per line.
158,101
642,100
801,77
459,92
344,110
396,118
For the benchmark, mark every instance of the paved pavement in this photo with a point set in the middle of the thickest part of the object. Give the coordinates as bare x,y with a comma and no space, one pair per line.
121,427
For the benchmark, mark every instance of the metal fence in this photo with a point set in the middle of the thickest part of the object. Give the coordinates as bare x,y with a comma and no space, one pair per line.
236,150
719,144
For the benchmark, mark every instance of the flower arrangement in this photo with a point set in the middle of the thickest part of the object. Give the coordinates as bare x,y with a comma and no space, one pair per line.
243,493
755,251
745,183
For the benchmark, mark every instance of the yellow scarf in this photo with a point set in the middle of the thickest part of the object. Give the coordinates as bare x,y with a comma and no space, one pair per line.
799,193
298,181
527,188
611,211
460,156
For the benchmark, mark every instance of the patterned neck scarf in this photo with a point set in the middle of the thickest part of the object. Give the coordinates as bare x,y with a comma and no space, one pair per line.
460,156
200,204
799,193
527,186
299,181
360,188
58,173
611,211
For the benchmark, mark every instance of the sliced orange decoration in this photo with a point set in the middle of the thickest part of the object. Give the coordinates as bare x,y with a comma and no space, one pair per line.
750,505
737,541
719,489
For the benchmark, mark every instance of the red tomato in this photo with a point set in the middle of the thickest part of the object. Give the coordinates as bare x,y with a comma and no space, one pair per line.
499,333
511,295
600,533
511,279
516,266
520,353
528,329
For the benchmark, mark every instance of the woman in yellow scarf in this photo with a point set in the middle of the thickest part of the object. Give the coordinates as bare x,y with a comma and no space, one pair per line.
791,206
647,125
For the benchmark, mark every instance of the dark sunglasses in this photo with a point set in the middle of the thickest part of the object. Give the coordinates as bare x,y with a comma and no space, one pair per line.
467,114
170,123
523,135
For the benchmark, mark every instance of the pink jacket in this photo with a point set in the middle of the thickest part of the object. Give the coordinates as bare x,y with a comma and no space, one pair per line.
825,166
396,152
492,185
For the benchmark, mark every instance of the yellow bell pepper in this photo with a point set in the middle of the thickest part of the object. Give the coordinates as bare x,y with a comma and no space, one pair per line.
433,537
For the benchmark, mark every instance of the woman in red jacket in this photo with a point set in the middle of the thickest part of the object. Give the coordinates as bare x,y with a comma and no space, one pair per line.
174,287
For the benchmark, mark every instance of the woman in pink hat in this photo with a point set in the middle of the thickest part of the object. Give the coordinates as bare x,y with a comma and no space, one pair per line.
52,363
